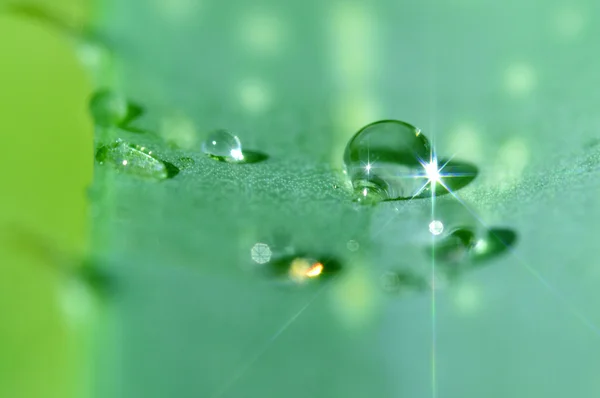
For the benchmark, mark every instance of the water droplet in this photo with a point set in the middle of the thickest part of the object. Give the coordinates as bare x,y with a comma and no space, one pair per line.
464,249
109,108
385,160
297,269
393,160
462,242
222,145
136,160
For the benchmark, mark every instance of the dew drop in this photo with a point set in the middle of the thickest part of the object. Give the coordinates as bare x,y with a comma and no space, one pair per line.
462,242
224,146
135,159
109,108
386,160
392,160
296,269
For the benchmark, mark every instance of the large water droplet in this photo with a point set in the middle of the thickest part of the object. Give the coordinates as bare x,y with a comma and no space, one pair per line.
393,160
136,160
109,108
224,146
385,160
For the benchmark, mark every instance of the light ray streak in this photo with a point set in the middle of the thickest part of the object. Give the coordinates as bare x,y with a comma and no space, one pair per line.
244,368
534,272
433,301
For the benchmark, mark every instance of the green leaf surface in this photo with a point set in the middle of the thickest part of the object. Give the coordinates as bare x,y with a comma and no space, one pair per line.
506,86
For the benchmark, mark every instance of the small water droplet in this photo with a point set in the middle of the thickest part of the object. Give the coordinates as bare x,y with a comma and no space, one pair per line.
109,108
135,159
464,248
224,146
462,242
296,269
385,160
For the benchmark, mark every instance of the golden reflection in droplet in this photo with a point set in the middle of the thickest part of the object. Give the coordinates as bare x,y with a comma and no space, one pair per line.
302,268
315,270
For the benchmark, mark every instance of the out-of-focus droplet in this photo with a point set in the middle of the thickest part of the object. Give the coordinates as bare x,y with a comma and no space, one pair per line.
464,243
109,108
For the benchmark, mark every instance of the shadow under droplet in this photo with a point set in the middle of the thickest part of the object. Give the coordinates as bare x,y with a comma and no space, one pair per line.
497,242
254,157
455,175
462,251
96,278
172,170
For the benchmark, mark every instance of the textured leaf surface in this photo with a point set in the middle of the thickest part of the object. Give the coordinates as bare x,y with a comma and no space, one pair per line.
504,86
